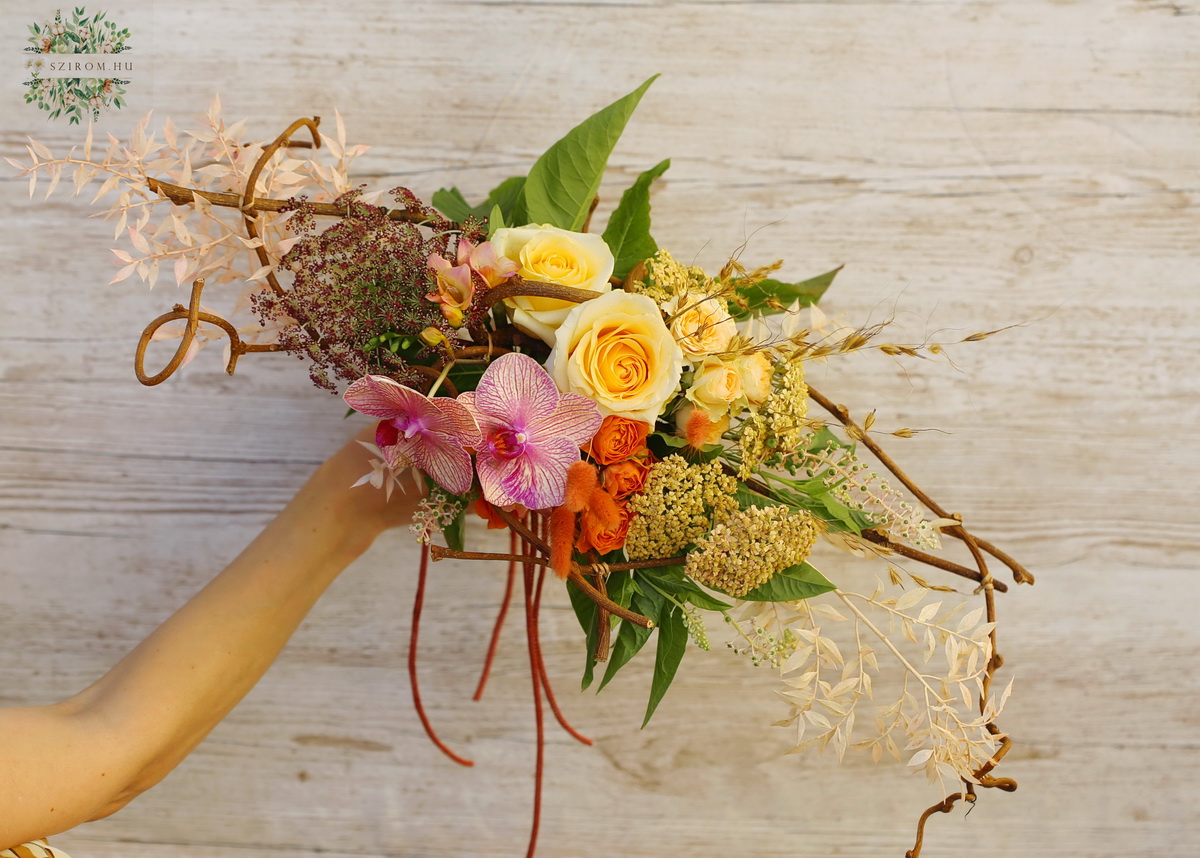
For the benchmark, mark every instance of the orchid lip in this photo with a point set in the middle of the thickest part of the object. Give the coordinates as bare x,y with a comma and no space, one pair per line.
508,443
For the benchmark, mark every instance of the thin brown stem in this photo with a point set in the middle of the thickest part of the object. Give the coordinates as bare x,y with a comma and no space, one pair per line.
418,603
531,637
182,196
543,676
928,559
518,288
1020,574
192,317
252,180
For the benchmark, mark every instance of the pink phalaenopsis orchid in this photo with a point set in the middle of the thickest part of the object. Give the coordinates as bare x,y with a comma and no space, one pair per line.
531,432
432,434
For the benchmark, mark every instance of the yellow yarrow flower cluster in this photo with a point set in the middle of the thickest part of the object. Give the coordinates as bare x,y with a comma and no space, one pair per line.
781,424
680,503
665,278
750,547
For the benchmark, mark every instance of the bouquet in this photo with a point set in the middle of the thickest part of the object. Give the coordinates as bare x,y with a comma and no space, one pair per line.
642,428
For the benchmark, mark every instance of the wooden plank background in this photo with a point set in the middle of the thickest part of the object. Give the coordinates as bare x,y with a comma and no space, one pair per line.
973,164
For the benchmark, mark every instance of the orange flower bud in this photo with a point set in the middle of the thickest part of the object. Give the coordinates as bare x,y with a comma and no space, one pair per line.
604,509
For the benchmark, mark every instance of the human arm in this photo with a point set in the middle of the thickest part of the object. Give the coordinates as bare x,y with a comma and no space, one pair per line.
88,756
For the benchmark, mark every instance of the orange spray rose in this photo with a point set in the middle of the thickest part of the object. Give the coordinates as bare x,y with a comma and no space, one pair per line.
617,439
593,534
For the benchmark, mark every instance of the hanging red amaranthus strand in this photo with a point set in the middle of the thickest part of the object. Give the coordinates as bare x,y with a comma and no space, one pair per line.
418,601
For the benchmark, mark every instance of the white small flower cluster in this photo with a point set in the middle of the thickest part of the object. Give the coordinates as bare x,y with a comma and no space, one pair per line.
435,513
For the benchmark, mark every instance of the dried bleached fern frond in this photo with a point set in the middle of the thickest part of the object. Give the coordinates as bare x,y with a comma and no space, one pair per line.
941,651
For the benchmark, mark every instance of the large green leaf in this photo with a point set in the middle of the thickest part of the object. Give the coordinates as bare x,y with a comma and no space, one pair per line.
628,232
791,585
451,203
632,637
506,196
672,642
586,613
562,183
673,580
773,296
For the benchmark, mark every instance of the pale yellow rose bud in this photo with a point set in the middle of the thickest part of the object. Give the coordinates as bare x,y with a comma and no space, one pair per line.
716,387
701,324
756,371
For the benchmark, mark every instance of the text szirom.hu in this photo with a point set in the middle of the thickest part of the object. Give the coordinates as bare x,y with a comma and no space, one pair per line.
85,65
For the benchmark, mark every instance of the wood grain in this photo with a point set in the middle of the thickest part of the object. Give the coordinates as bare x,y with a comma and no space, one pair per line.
973,164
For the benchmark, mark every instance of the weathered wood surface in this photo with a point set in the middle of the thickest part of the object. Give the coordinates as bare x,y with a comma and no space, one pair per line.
974,164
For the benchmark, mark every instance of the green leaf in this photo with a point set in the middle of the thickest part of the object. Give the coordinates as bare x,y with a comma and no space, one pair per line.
588,616
452,204
562,183
495,221
672,642
673,580
628,232
632,637
505,195
747,498
790,585
466,376
772,296
620,590
455,532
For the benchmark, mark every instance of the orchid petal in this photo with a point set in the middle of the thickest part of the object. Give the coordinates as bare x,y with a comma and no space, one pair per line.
378,396
516,389
541,481
576,418
487,424
492,472
445,461
462,425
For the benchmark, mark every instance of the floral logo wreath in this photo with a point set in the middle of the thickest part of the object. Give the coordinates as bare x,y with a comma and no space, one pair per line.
75,97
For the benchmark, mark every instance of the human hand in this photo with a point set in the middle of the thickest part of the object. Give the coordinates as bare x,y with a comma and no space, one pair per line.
360,512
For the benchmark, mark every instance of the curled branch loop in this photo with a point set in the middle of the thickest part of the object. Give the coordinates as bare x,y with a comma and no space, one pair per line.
193,317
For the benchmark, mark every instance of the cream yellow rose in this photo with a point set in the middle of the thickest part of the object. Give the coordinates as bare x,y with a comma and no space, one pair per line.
548,254
701,324
756,371
617,351
716,387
